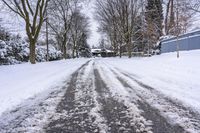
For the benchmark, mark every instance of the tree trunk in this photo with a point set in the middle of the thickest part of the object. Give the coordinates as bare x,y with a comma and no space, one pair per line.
73,53
74,49
74,37
64,51
172,17
77,56
129,49
32,52
120,50
166,18
64,46
47,41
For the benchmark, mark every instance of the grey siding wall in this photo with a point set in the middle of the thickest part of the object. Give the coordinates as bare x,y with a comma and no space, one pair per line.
190,41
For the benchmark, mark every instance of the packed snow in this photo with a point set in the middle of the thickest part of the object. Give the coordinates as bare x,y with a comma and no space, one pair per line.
176,78
20,82
169,85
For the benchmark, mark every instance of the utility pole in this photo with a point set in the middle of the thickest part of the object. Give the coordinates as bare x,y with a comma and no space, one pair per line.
177,30
142,26
47,36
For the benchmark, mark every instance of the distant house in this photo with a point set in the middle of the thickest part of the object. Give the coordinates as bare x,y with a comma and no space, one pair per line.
102,53
107,53
96,52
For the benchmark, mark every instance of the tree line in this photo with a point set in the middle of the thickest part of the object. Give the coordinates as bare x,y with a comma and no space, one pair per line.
61,19
137,25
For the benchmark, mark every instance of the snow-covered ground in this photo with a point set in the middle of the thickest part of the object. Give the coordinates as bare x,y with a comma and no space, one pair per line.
159,93
176,78
20,82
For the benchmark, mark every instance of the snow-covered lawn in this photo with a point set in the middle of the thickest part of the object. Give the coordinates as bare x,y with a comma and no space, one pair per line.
20,82
177,78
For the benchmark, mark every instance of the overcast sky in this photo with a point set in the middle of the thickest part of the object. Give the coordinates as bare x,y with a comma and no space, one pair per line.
90,11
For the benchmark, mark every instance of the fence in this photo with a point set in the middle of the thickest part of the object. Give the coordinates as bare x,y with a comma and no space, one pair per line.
189,41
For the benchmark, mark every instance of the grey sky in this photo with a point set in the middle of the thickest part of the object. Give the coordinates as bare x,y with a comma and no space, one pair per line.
89,11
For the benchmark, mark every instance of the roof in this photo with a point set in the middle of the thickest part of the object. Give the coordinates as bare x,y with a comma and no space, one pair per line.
95,50
100,50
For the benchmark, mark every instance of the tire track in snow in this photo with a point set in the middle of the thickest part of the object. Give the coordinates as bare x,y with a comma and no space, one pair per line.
184,116
73,112
33,114
173,111
160,124
121,117
96,111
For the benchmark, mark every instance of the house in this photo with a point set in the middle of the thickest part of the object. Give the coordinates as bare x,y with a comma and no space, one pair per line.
107,53
185,42
96,52
102,53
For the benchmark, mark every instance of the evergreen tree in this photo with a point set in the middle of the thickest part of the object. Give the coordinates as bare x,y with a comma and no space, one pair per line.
84,48
4,34
154,19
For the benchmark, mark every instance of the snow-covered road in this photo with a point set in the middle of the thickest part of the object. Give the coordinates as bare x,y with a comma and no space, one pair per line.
100,97
23,81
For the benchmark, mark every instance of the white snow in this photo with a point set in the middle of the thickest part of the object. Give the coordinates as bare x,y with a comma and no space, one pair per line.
123,95
176,78
44,107
95,50
20,82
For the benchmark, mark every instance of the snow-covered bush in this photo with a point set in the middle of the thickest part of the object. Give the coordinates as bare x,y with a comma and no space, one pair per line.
17,51
13,52
41,53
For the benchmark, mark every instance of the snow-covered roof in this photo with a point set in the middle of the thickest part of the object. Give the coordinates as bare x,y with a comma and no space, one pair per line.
109,51
95,50
100,50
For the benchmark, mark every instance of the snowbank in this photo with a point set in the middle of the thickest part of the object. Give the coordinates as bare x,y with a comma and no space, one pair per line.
177,78
20,82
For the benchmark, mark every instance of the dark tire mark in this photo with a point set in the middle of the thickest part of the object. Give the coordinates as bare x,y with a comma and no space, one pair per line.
17,119
160,124
113,111
75,117
154,114
189,112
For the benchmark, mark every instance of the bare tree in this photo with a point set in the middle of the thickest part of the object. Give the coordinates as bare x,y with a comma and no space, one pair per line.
185,13
60,20
193,5
118,19
170,17
67,24
79,30
47,36
33,14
